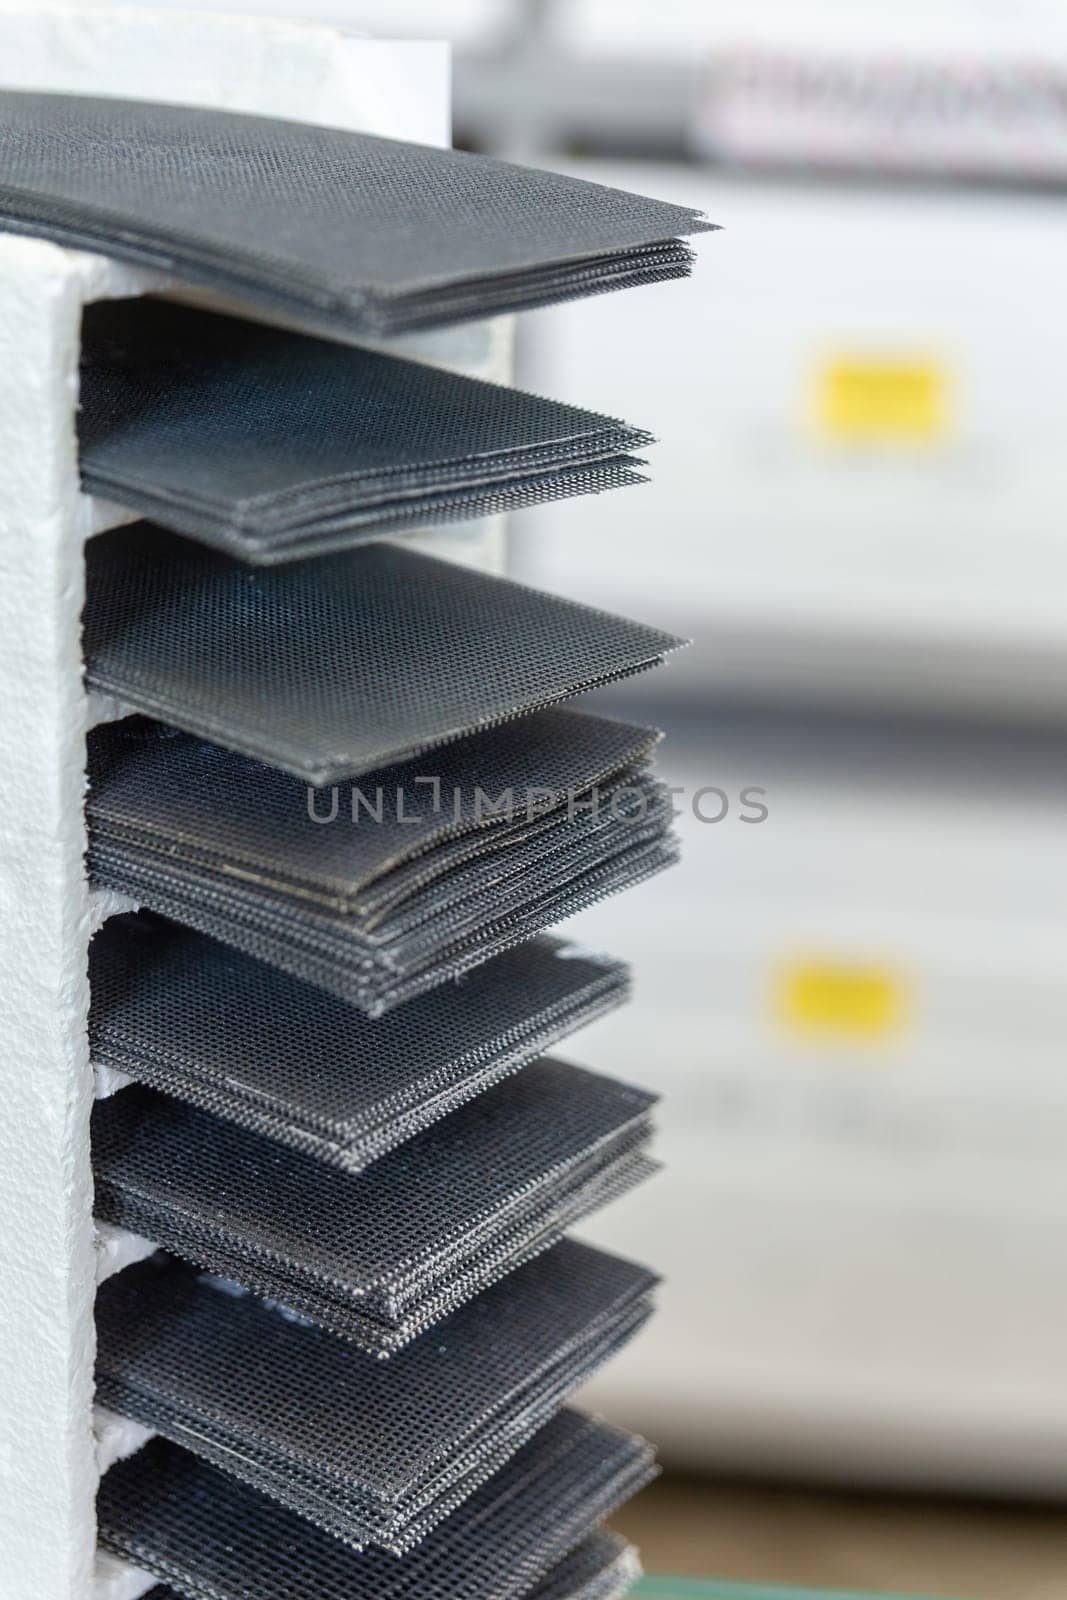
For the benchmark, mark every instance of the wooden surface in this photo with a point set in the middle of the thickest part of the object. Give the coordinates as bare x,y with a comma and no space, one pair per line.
753,1533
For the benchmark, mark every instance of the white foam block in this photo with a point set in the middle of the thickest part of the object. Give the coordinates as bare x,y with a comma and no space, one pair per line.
117,1580
117,1248
117,1438
48,1271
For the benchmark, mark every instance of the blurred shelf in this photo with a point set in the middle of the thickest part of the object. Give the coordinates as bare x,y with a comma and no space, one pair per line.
855,1011
840,1547
861,470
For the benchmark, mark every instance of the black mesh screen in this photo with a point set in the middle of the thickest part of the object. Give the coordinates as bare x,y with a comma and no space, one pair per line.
176,1010
335,667
603,1567
272,445
388,906
378,1256
376,1453
213,1538
359,233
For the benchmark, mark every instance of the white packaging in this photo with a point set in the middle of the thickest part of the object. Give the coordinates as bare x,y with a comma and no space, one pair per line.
855,1012
903,549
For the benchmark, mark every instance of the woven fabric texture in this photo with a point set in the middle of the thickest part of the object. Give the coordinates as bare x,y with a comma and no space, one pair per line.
379,1256
375,1453
212,1538
273,446
338,666
418,874
361,234
175,1010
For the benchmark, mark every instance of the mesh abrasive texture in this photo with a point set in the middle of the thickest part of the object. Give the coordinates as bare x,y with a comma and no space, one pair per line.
212,1538
379,1256
172,792
378,907
603,1567
274,446
334,667
176,1010
363,234
375,1453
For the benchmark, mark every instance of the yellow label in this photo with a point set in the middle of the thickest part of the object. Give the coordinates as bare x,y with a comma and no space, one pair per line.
845,1000
873,399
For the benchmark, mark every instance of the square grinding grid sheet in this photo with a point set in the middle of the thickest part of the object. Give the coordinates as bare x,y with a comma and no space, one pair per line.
357,233
333,667
212,1538
373,1452
378,907
603,1567
175,1010
358,850
274,446
379,1256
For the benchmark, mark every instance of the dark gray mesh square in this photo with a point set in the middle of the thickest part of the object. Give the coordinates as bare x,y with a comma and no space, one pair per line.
603,1567
337,666
379,1256
274,446
176,1010
360,234
383,908
170,791
375,1453
212,1538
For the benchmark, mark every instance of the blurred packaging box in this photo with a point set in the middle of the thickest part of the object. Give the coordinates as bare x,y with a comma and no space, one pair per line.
855,1010
861,476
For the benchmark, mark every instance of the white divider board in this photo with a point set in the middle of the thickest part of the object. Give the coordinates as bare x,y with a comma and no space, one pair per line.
48,1271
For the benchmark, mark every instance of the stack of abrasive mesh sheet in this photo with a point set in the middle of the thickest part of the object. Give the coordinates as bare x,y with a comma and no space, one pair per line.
377,1453
341,787
176,1010
212,1538
343,665
359,234
378,1256
602,1567
384,890
275,446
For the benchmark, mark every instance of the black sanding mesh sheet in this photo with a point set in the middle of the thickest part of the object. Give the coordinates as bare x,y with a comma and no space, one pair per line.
379,1256
334,667
274,446
602,1567
380,892
360,234
373,1452
212,1538
176,1010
